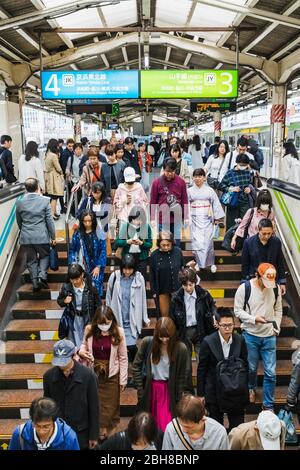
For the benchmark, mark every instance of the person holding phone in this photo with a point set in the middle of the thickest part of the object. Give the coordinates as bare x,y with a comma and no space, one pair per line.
258,305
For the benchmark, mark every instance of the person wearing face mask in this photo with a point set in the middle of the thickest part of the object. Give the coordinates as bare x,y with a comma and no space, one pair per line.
263,210
80,299
126,295
104,349
238,181
258,305
135,237
159,372
128,195
141,434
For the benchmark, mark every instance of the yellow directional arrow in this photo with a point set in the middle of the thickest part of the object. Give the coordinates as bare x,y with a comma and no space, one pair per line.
4,446
32,336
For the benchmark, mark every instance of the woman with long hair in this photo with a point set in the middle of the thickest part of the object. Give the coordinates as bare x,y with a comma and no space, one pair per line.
263,210
159,372
30,165
126,295
290,165
214,164
98,203
195,150
80,299
104,349
88,249
182,168
54,177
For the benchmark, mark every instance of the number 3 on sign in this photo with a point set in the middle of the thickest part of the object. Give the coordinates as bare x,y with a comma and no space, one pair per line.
52,85
228,83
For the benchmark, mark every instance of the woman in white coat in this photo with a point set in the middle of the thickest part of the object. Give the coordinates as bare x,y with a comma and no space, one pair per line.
30,166
126,296
290,165
195,151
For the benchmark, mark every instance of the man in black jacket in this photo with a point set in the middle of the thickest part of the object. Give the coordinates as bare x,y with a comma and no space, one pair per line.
130,156
214,348
264,247
193,311
74,388
6,159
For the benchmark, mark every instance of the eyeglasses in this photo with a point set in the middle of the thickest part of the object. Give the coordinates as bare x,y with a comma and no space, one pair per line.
226,326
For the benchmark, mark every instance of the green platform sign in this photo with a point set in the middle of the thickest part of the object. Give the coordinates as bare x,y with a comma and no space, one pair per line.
189,84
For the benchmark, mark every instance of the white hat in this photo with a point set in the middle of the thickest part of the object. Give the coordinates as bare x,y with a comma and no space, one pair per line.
129,174
269,426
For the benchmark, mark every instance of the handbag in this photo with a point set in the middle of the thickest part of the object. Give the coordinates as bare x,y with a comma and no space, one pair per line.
230,199
240,240
53,258
287,418
226,244
65,323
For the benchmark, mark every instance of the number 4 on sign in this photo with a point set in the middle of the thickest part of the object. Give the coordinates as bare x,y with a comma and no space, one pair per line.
52,85
32,336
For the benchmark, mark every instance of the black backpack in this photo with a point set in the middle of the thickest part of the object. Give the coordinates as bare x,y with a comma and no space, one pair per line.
231,377
248,293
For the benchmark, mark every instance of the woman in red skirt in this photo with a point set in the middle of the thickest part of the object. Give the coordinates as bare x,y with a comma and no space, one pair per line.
159,372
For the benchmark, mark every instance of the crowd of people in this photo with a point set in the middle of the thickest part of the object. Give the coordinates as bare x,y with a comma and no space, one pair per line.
100,350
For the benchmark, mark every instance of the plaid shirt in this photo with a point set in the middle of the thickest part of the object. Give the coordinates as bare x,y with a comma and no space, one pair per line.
241,178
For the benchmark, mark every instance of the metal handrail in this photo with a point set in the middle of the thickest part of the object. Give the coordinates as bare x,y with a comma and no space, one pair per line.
290,189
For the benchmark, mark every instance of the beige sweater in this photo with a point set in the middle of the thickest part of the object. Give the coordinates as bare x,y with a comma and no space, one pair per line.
261,303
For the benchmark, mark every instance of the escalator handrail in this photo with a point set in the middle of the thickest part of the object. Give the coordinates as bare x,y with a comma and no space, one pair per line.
290,189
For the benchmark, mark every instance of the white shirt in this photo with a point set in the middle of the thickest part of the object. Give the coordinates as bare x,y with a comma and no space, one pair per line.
78,296
225,345
31,169
190,308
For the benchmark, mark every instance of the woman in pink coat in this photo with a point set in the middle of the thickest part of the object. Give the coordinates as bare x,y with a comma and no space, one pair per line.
129,195
104,349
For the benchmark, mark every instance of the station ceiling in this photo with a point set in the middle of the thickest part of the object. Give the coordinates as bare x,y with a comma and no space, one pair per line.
276,35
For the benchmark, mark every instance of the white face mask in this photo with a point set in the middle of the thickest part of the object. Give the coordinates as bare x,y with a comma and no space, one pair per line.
242,168
264,207
104,327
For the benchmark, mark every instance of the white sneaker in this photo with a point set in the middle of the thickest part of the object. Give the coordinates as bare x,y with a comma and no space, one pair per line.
213,268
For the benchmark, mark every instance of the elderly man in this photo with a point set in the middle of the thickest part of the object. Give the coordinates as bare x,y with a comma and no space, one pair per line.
37,228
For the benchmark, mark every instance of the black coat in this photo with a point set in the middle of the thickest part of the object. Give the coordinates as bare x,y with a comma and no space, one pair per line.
77,398
131,159
118,170
90,299
120,441
205,310
171,263
251,257
206,375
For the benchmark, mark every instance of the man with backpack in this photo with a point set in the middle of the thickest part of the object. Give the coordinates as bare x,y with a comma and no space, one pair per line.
258,305
223,372
6,164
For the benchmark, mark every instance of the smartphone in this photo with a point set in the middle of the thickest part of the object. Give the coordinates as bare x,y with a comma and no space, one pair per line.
274,324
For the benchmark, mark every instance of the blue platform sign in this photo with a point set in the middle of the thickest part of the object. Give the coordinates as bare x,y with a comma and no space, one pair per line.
73,84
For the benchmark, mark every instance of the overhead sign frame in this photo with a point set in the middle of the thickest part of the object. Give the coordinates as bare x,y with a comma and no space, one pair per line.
84,84
174,84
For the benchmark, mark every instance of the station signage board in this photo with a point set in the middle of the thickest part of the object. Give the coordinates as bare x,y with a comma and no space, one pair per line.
213,105
82,84
189,84
160,129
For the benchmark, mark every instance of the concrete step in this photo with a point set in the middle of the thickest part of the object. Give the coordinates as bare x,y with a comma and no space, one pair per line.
40,352
224,272
218,289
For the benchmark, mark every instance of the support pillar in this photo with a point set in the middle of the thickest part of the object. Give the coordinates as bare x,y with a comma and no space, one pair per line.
148,123
278,113
77,127
218,123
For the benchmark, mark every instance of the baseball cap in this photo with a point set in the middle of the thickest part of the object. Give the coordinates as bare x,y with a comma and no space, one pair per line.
129,174
269,427
63,350
268,275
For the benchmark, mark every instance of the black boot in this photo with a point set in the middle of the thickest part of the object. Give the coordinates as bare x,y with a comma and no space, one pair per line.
35,285
43,284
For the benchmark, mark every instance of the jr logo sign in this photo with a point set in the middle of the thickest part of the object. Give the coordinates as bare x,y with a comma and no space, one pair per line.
210,79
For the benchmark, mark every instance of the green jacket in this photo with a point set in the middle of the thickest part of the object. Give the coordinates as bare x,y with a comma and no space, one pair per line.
128,231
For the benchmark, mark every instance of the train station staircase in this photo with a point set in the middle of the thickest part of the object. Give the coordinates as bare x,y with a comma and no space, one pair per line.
26,351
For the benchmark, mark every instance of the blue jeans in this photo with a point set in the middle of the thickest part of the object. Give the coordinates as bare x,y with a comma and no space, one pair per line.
263,348
175,229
